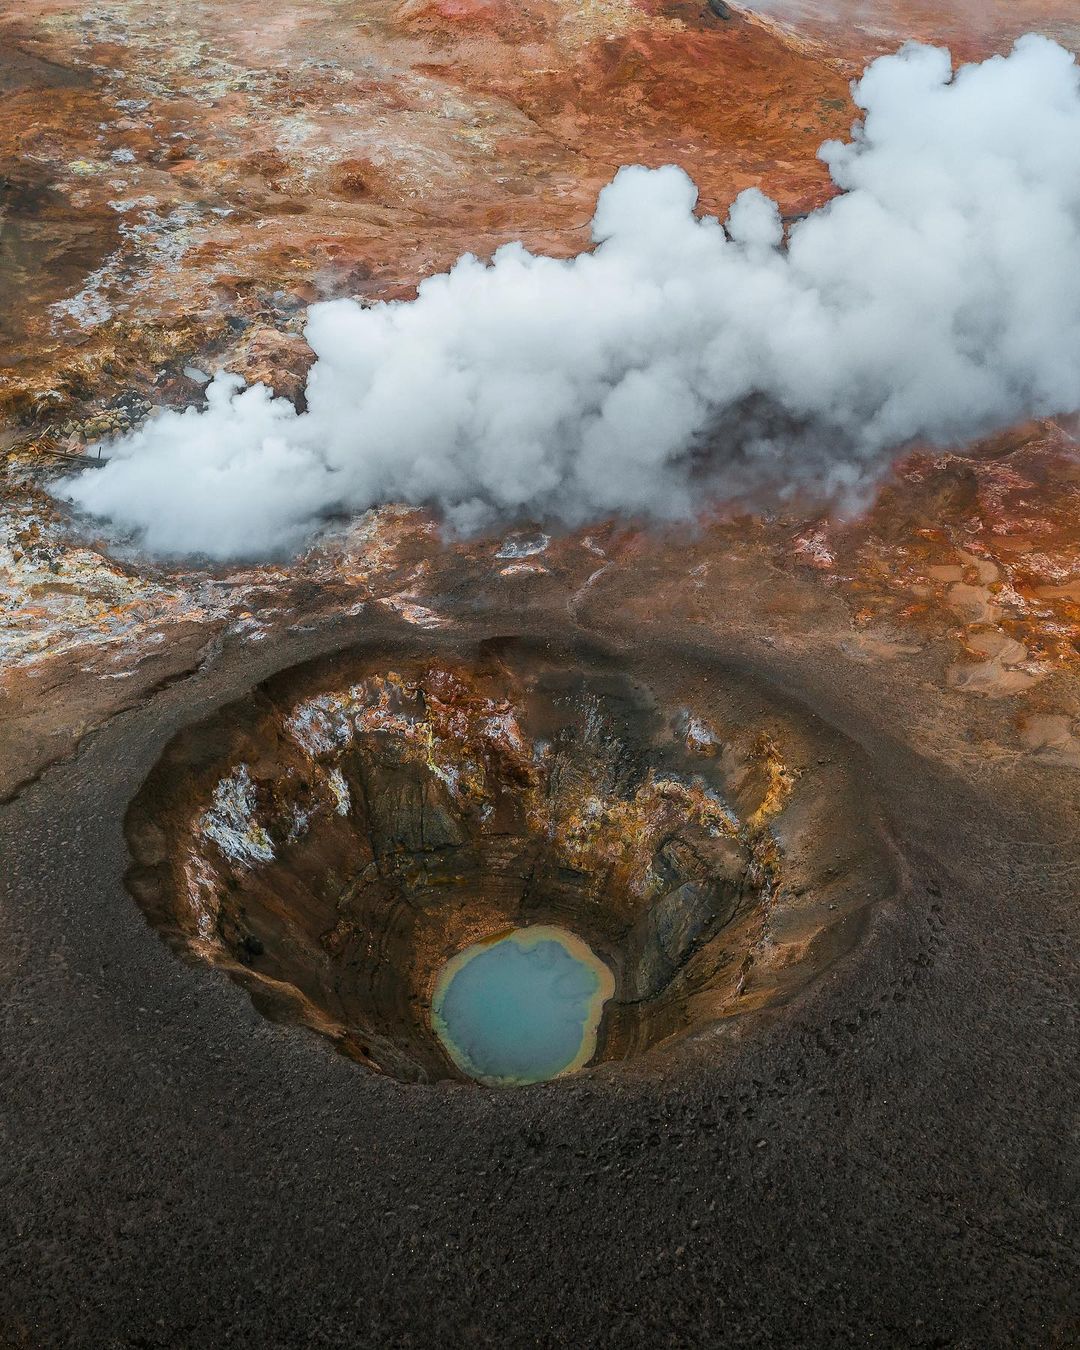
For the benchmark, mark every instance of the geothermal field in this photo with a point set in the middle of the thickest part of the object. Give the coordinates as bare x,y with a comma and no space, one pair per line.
539,674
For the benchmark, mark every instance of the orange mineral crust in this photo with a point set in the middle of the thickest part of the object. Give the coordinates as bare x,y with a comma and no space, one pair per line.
181,182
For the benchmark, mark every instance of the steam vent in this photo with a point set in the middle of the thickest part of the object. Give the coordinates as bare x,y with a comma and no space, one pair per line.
503,865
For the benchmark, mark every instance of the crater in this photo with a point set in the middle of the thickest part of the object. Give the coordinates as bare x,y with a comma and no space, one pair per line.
505,862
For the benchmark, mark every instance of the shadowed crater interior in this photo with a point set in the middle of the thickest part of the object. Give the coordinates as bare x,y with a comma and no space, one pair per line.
341,838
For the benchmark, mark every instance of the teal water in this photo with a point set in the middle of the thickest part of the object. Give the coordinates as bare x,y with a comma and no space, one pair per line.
521,1008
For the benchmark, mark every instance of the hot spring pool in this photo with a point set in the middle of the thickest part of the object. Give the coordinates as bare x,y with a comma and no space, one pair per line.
522,1007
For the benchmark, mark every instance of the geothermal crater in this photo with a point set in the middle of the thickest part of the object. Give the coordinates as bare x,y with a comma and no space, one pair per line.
341,839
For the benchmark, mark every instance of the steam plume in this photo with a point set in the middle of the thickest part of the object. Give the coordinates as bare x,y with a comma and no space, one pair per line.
937,297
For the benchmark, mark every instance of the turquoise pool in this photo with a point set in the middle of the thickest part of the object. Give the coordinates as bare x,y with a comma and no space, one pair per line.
521,1007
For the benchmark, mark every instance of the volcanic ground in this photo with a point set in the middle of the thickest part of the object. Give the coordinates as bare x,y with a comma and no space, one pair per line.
807,787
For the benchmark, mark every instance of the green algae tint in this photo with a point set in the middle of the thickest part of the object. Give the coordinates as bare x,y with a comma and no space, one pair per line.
522,1007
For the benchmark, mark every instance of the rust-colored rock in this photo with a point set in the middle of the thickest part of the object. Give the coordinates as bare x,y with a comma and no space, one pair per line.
279,360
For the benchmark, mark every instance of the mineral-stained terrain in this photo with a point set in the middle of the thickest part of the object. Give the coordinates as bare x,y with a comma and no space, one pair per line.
177,190
849,748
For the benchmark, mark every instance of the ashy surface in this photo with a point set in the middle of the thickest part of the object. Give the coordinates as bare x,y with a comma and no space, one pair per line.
895,1138
524,1007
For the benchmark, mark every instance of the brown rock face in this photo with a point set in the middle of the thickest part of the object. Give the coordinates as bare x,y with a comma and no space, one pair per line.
332,842
279,360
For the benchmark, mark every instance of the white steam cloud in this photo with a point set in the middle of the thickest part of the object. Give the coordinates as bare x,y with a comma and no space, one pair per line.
679,361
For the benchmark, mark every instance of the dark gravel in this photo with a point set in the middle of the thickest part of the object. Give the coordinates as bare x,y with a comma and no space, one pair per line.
891,1160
